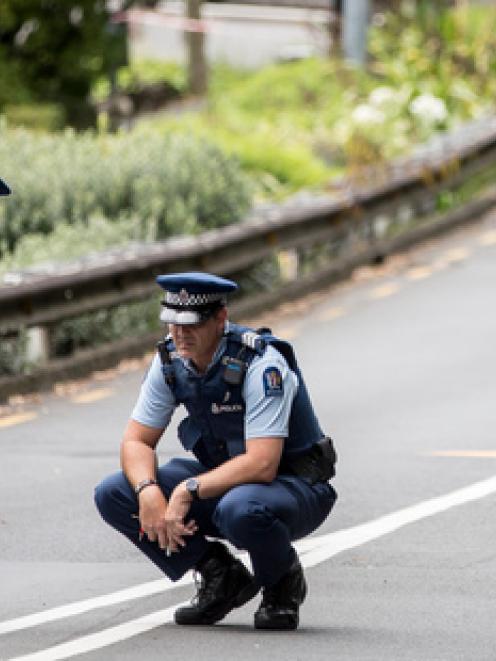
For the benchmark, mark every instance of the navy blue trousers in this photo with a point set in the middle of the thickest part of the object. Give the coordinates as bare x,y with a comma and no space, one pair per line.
262,519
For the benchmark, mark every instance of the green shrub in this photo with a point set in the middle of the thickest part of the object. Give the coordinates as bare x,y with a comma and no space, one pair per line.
292,164
13,89
140,73
70,242
279,120
103,326
297,124
299,90
156,184
448,53
143,72
39,116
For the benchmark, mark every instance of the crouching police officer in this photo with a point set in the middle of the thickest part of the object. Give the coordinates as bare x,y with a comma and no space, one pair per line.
260,477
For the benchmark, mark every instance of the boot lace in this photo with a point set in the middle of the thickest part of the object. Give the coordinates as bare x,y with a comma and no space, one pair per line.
270,597
205,590
284,593
199,587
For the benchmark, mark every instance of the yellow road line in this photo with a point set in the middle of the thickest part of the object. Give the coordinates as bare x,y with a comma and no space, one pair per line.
457,254
488,239
452,256
17,418
385,290
287,332
419,273
478,454
331,313
92,396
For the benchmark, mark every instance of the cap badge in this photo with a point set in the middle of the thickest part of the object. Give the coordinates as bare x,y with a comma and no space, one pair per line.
183,297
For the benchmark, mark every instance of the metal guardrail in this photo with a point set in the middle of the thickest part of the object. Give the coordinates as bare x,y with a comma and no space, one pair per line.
366,218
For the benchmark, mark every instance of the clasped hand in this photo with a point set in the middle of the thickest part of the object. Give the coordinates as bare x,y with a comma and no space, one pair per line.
163,522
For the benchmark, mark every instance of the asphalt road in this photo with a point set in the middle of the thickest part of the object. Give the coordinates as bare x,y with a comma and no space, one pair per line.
401,364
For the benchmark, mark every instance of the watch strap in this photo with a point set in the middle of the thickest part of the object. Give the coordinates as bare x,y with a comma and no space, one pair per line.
192,485
143,484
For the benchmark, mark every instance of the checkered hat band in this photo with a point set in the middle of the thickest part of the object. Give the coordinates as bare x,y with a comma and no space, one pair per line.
183,299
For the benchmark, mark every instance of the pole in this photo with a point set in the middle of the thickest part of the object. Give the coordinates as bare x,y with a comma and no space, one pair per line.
355,23
335,27
197,66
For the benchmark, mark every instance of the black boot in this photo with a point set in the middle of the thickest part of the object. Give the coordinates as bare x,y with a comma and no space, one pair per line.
280,602
225,584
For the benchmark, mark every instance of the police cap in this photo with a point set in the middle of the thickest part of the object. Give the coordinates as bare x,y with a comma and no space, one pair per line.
192,297
4,189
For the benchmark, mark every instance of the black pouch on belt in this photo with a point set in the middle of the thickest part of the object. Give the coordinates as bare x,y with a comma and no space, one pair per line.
316,465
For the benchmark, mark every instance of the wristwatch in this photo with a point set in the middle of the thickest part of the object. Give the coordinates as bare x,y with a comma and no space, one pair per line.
192,486
143,484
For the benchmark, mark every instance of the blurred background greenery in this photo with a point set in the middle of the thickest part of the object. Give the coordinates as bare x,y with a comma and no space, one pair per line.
82,184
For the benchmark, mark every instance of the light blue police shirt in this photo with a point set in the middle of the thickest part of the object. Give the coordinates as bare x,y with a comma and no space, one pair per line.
266,415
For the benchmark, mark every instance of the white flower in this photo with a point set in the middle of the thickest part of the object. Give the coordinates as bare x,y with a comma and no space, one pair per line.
365,114
429,108
382,96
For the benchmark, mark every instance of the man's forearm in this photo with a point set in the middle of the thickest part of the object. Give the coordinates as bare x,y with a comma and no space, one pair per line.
138,458
138,461
257,465
235,471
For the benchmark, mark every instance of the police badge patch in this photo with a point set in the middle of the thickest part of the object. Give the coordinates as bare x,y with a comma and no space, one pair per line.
272,380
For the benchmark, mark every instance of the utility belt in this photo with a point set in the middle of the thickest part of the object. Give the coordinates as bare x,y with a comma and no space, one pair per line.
315,465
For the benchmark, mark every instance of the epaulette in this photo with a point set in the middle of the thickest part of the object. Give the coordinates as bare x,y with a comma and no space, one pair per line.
252,340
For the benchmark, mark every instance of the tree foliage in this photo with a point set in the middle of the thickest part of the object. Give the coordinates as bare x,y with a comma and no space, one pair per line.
52,51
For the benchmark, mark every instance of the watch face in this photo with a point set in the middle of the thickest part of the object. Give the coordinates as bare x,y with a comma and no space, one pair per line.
192,486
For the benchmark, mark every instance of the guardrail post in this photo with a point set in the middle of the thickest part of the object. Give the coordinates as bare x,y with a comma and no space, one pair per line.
288,261
38,345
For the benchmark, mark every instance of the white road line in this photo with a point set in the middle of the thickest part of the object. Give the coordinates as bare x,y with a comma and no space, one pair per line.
80,607
315,549
103,638
334,543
